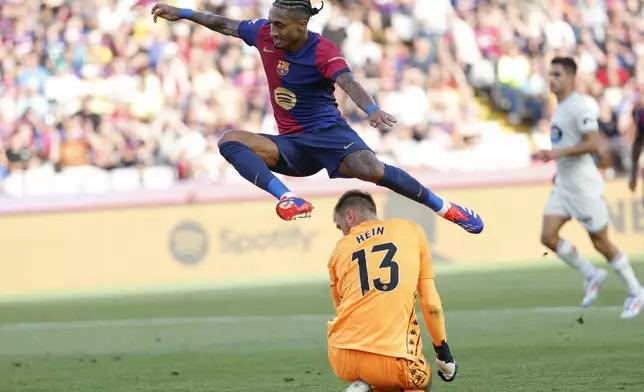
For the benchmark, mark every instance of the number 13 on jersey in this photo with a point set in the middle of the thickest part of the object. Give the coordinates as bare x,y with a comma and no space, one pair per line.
386,252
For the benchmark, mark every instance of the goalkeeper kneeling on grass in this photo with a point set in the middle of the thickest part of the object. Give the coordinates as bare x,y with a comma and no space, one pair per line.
377,271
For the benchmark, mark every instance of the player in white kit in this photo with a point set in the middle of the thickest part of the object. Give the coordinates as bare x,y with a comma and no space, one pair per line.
638,144
579,189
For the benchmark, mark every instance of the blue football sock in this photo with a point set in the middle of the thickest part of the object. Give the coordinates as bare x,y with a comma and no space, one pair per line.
252,168
402,183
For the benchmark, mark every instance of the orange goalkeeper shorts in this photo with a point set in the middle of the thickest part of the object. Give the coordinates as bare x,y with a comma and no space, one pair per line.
380,371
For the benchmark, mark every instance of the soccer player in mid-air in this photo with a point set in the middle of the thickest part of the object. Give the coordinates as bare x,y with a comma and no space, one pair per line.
377,270
302,68
638,144
579,188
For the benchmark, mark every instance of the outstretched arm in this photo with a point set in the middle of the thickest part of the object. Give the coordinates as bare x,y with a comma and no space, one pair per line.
333,66
214,22
349,83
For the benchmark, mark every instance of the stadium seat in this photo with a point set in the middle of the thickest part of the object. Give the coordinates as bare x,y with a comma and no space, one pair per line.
14,184
68,182
95,180
128,179
159,177
39,181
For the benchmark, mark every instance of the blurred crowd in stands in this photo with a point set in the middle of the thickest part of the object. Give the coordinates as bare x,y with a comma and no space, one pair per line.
92,88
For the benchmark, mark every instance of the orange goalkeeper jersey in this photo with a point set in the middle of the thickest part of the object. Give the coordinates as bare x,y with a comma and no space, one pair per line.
375,272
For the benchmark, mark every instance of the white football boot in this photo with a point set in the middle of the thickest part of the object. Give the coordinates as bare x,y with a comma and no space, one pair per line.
633,305
358,386
592,285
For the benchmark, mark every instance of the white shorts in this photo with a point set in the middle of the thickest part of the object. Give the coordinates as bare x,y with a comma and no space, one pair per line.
591,212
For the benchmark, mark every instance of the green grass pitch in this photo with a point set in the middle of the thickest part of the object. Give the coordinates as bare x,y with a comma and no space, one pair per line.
510,330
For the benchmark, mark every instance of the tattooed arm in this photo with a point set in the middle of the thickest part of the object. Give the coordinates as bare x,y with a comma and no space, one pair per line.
430,302
214,22
432,308
349,83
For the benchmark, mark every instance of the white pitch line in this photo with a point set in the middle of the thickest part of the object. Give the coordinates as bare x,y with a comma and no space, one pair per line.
164,321
169,321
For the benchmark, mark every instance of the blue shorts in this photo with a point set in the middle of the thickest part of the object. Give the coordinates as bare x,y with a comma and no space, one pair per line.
304,154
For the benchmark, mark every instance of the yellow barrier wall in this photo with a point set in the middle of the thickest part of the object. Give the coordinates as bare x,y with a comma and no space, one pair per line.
513,215
246,241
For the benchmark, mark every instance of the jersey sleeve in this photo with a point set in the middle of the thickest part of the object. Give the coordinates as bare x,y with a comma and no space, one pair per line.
249,30
329,60
587,119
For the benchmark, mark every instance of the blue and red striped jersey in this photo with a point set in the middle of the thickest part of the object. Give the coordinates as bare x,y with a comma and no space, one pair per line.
302,83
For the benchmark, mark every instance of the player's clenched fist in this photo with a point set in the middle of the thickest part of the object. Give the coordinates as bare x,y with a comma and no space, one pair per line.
446,364
166,12
379,118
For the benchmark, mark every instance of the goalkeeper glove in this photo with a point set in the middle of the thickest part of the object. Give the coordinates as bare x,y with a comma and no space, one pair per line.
446,364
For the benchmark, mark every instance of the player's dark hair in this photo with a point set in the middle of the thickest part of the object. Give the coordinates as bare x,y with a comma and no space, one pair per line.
568,64
355,199
303,6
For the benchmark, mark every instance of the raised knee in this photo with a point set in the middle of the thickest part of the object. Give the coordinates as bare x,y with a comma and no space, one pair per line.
232,135
377,171
598,242
363,165
370,171
549,241
373,174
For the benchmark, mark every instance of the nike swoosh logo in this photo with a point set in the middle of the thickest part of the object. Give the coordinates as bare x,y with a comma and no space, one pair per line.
349,145
268,50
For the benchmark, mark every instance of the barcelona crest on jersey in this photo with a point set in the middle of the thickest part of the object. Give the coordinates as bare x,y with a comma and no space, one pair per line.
282,67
